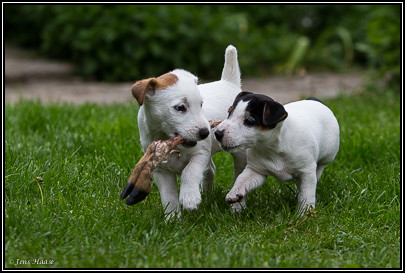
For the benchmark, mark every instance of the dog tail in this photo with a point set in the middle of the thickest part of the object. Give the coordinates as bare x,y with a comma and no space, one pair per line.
231,71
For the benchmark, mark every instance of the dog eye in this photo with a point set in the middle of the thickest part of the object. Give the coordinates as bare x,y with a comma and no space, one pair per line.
180,108
250,121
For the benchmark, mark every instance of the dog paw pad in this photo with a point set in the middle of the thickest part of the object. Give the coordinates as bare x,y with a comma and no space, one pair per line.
235,198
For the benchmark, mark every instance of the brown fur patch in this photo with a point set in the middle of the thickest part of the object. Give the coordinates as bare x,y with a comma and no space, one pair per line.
283,117
230,109
166,80
140,88
262,128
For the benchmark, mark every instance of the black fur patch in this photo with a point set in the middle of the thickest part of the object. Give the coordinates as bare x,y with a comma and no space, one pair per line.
238,98
263,110
314,99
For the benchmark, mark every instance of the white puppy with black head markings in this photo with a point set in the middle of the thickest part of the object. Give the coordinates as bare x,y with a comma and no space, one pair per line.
291,142
174,104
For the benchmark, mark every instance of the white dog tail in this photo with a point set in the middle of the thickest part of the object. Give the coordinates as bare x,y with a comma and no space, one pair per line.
231,71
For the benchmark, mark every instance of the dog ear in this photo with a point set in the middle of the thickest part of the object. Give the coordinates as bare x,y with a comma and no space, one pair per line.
141,88
241,94
273,113
149,86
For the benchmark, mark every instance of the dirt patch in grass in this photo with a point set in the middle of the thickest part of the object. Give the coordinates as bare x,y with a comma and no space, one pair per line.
30,77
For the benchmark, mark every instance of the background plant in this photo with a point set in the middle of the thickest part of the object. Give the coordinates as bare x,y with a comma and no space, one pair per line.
128,42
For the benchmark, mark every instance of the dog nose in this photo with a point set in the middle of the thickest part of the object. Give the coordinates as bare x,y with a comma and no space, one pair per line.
204,132
219,134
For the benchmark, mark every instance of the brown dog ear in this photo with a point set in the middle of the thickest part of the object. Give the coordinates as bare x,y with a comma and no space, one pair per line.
140,88
149,86
273,113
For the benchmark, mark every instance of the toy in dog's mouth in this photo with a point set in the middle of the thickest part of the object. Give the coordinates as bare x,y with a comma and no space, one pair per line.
187,143
140,182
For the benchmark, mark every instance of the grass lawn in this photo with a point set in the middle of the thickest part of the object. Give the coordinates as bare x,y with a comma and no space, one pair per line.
66,165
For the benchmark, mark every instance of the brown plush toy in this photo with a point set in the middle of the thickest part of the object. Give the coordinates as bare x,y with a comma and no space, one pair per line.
140,182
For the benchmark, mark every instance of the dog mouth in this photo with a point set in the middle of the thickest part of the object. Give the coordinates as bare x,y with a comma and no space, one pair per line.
189,143
186,142
230,148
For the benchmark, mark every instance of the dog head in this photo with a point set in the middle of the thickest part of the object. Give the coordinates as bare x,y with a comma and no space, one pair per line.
250,118
173,105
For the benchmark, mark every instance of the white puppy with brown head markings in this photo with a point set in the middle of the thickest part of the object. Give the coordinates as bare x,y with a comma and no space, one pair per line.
174,104
290,142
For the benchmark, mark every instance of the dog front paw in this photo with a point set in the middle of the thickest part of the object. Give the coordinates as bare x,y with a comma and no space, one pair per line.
190,202
238,207
172,215
234,196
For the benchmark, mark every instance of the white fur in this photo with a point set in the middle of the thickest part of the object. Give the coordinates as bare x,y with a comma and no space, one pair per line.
158,119
298,148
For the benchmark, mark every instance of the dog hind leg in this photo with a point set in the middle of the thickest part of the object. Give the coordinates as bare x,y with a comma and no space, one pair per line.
307,182
208,183
319,171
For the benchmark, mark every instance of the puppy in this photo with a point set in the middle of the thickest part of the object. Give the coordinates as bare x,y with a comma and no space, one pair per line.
174,104
291,142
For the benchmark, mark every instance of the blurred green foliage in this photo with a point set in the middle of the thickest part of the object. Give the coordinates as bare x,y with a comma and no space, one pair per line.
129,42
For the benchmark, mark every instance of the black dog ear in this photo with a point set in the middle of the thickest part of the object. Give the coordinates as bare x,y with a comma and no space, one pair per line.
241,94
273,113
